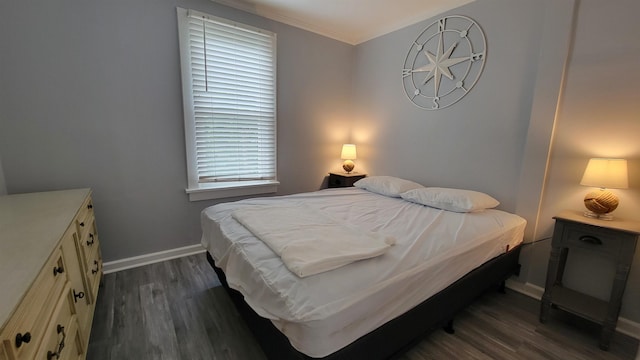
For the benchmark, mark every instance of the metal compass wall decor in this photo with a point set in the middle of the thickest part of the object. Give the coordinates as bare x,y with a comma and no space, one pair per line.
444,62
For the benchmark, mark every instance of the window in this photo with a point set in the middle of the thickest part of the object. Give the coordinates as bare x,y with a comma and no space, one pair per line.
229,95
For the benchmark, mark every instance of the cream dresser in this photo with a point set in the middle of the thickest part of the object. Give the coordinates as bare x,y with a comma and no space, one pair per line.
50,271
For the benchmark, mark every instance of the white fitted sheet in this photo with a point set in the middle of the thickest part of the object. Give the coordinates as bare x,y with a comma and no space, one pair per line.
322,313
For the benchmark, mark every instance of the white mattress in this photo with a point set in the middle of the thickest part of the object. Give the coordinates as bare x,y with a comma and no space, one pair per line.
321,314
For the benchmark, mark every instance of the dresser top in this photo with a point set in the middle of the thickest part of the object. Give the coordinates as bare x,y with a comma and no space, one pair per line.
31,226
615,224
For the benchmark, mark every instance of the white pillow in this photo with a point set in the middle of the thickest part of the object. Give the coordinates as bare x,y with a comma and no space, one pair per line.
457,200
386,185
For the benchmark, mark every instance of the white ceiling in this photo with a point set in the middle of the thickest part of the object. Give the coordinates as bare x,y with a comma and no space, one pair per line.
350,21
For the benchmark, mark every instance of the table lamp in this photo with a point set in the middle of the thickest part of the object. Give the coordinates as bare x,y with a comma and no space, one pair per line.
604,173
348,155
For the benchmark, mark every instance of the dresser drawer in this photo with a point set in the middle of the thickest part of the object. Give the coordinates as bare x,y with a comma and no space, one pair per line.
585,237
26,329
61,330
85,219
92,262
84,226
86,210
74,348
88,241
94,273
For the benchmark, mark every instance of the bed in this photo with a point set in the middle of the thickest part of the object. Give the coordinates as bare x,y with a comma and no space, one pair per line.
441,260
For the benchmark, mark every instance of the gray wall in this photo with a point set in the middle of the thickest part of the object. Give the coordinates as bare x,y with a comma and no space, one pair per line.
91,97
477,143
3,186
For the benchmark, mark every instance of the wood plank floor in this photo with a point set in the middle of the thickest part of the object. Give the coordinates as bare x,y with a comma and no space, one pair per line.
178,310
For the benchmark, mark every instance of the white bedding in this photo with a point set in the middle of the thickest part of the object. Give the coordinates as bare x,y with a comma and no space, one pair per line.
310,241
322,313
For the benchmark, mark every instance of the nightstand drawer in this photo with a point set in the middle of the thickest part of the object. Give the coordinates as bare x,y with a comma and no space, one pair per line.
344,180
581,236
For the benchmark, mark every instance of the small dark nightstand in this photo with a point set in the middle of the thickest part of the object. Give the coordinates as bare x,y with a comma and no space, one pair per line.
337,180
615,239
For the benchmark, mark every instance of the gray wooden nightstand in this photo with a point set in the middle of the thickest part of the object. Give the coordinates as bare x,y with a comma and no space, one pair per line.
615,239
337,180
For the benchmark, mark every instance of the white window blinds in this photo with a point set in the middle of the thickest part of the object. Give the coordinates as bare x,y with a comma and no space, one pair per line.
233,99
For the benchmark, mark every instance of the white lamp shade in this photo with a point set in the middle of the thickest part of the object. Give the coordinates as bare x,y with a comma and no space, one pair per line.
606,173
348,152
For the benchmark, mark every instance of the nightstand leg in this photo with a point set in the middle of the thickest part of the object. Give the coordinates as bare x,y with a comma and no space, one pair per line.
615,303
605,337
564,253
556,263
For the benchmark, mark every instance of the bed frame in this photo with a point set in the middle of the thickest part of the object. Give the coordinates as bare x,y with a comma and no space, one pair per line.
398,335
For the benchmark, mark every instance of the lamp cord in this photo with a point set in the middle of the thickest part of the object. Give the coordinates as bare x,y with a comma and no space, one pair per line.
537,241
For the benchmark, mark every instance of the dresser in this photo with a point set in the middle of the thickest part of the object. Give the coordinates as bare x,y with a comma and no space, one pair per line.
616,240
50,272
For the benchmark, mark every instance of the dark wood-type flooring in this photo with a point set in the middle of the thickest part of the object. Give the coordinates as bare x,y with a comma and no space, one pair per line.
178,310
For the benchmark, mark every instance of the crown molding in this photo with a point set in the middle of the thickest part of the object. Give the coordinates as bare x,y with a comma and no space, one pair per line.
345,35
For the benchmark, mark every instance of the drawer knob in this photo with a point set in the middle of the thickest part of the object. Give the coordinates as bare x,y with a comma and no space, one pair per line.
89,206
22,338
82,224
57,270
590,240
90,242
95,262
77,296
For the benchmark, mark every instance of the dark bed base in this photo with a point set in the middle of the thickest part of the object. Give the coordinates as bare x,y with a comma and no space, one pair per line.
398,335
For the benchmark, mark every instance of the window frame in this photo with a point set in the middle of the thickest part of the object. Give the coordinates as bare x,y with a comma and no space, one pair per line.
196,189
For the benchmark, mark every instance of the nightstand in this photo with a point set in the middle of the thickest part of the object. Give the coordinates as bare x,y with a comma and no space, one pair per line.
337,180
615,239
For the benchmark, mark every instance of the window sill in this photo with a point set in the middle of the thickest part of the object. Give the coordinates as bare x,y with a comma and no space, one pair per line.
208,191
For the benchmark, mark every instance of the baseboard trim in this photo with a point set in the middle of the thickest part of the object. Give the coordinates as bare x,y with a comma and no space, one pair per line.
528,289
625,326
136,261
